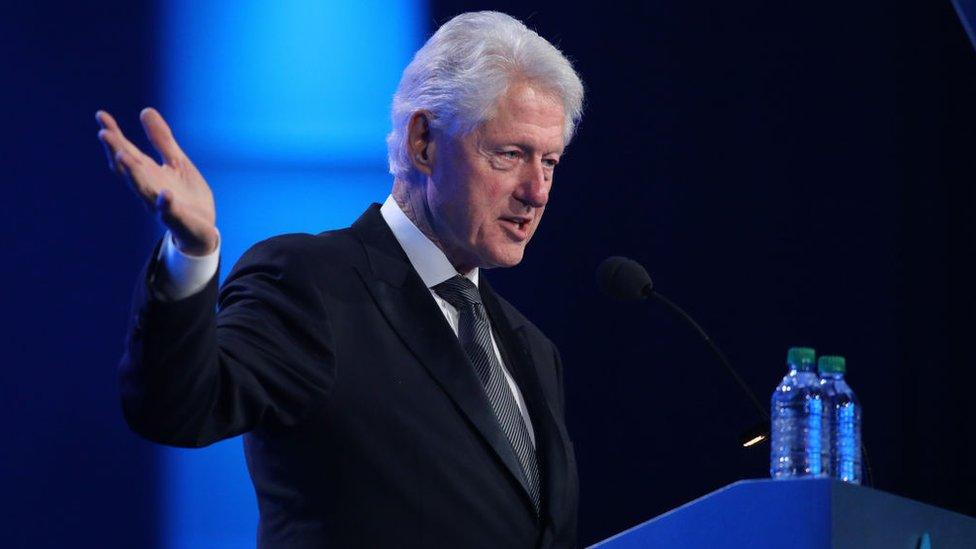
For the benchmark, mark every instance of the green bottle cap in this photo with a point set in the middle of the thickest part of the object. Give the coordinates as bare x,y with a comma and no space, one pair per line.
802,357
832,365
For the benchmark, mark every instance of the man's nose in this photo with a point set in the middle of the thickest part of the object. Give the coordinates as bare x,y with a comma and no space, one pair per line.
536,182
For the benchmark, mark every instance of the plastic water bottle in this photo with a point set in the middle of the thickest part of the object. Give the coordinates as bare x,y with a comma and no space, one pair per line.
845,420
800,426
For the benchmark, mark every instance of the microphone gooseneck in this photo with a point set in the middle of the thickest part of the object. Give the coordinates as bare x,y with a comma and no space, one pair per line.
625,279
715,350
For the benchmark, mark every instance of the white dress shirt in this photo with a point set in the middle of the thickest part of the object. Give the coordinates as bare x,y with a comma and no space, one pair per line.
184,275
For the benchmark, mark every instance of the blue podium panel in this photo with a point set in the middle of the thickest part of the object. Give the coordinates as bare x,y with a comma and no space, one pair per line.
800,514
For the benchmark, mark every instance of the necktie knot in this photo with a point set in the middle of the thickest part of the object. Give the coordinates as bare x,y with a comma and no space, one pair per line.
459,292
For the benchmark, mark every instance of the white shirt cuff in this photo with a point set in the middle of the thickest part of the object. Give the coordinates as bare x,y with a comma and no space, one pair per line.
183,275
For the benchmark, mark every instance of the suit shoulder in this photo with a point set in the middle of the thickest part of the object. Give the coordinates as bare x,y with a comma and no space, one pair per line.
304,266
301,248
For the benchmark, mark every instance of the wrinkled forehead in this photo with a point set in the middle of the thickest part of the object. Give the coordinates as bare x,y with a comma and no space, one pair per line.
530,112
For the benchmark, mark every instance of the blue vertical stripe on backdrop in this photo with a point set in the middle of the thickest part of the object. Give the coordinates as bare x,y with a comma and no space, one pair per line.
288,80
284,107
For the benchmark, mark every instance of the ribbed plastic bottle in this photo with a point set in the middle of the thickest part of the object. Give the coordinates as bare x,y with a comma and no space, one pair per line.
800,426
845,420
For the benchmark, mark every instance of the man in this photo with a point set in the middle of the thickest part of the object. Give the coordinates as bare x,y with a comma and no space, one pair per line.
387,396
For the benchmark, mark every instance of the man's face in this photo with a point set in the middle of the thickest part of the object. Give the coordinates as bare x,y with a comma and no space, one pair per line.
488,189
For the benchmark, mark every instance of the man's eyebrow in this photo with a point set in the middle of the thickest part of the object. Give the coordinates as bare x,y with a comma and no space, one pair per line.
527,147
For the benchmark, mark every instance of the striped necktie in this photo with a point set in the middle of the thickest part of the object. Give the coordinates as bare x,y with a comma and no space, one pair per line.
474,332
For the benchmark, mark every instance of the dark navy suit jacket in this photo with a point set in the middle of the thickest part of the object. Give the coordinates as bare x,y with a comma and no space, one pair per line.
363,424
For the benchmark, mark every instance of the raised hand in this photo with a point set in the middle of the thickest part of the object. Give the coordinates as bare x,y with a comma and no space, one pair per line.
175,190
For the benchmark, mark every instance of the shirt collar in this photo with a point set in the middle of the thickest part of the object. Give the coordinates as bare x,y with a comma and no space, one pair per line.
427,259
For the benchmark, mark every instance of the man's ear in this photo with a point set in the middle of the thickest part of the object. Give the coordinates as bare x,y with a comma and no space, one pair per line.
420,142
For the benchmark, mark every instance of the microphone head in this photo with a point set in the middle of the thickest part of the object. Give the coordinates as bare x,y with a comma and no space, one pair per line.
623,278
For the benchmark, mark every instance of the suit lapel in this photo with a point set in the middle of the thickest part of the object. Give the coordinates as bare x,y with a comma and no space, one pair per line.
550,439
412,312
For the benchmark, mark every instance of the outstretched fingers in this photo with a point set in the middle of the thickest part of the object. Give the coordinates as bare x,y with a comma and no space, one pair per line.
125,159
134,169
174,190
115,142
161,136
105,121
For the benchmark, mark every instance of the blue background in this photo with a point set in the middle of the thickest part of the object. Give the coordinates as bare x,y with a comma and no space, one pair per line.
790,174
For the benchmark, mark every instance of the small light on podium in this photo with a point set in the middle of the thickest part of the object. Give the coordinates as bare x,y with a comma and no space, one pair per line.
755,435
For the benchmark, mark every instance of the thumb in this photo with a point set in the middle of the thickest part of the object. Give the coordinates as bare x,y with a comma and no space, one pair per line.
165,209
162,198
201,242
164,205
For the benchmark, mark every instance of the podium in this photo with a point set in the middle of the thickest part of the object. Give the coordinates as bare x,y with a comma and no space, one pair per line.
815,513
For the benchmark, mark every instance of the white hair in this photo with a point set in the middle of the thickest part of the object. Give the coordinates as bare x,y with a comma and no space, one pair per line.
462,70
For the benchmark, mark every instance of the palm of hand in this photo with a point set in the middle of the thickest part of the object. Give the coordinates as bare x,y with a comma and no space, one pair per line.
175,189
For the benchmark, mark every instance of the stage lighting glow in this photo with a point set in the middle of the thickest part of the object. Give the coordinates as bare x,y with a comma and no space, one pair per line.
284,107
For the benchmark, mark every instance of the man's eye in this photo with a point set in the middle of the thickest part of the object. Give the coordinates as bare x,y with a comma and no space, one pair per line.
514,155
550,162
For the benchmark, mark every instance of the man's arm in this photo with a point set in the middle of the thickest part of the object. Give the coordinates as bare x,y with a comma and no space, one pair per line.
191,376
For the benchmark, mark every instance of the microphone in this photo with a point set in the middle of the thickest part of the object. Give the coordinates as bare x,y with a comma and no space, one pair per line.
627,280
624,279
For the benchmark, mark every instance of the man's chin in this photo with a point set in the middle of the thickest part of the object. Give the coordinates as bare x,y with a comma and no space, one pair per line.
505,258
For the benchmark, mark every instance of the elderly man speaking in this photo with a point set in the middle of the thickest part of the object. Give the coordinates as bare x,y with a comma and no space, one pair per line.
387,395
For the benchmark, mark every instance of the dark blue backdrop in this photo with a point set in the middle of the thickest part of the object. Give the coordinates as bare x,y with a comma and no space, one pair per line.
72,474
791,174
